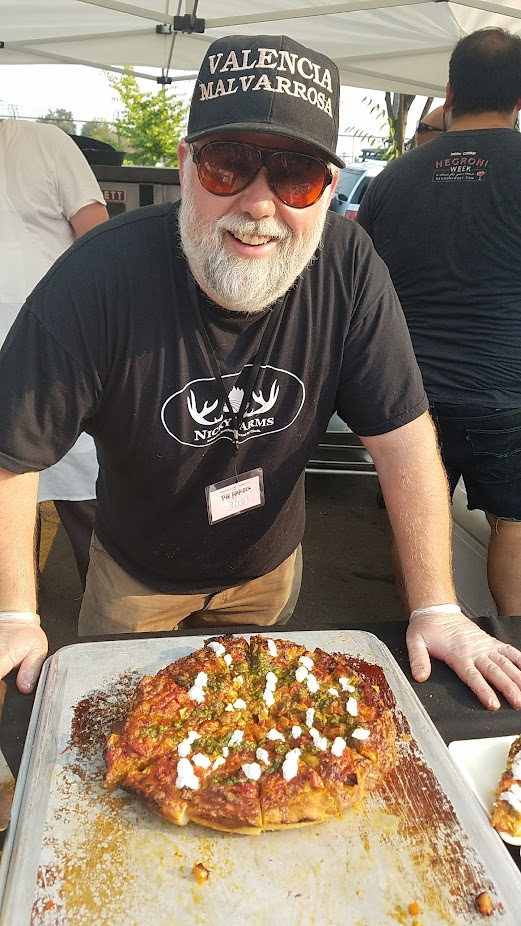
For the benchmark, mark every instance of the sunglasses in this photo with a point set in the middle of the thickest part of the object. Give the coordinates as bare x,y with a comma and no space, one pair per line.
225,168
424,127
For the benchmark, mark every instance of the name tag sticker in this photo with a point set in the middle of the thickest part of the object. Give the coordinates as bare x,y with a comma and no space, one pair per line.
235,496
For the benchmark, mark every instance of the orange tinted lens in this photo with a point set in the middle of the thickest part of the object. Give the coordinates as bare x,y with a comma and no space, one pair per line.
225,168
298,179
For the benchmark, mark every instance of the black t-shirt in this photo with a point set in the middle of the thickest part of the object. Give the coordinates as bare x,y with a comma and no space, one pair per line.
107,343
446,218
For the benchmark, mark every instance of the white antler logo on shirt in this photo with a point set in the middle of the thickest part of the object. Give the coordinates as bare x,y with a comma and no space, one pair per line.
195,415
262,404
235,396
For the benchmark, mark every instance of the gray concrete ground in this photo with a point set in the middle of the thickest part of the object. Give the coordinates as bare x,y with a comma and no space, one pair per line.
347,562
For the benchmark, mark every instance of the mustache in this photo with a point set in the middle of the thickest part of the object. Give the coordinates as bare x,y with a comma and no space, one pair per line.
245,225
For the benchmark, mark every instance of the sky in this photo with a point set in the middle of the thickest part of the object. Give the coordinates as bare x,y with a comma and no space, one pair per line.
29,91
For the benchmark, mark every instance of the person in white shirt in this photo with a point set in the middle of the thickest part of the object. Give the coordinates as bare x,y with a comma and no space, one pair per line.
49,196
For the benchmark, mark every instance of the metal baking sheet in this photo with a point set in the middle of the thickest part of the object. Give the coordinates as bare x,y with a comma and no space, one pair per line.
417,851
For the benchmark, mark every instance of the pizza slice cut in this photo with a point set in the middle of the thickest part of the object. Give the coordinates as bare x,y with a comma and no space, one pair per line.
334,739
506,812
209,779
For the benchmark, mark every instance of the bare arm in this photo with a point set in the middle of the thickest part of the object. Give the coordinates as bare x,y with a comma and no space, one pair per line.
22,642
415,491
17,520
88,217
414,485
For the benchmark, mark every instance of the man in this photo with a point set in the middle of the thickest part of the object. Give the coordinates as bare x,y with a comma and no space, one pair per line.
430,126
447,221
205,351
48,197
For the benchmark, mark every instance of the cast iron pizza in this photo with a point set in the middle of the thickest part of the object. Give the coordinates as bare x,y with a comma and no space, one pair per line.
506,813
250,736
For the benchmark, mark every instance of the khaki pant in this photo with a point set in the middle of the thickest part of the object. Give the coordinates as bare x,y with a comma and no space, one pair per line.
114,602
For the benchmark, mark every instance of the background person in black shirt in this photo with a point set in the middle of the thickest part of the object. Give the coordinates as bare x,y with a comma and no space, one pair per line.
447,221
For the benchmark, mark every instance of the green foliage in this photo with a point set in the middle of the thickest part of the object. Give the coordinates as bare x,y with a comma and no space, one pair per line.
62,118
382,146
102,131
151,124
398,106
393,121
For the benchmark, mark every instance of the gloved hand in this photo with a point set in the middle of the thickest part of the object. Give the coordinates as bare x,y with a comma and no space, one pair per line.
22,643
476,657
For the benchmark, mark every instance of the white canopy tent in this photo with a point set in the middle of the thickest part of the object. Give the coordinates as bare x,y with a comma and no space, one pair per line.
400,45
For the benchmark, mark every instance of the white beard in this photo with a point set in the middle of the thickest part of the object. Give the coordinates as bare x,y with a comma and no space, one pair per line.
241,283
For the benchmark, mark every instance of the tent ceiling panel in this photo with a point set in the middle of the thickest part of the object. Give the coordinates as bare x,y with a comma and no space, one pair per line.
401,45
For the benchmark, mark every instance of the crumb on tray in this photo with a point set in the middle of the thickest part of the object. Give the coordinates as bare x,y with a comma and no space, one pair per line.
484,904
200,873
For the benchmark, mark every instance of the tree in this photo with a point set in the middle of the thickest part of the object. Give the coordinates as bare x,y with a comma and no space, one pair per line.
62,118
102,131
398,106
151,123
393,120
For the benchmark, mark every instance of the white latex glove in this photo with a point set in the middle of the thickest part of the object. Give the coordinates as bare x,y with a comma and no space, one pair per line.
481,661
22,643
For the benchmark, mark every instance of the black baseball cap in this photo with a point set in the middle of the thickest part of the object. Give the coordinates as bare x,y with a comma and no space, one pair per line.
267,83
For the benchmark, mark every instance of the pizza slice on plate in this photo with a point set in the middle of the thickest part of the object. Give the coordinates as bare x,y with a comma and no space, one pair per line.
506,812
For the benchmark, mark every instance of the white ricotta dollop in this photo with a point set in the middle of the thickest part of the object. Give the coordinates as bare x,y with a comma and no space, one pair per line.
310,716
235,738
301,673
344,684
319,741
352,707
196,692
252,770
516,767
271,684
275,735
186,777
218,762
239,704
201,760
332,691
360,734
229,707
218,648
338,746
296,731
307,662
185,746
272,647
290,764
312,684
512,797
262,755
228,659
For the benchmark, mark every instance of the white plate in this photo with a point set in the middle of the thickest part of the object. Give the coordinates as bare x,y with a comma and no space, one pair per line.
482,762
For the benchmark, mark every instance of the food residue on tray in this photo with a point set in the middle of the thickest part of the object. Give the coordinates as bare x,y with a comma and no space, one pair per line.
484,904
200,873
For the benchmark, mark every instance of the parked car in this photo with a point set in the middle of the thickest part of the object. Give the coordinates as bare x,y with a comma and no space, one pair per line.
352,184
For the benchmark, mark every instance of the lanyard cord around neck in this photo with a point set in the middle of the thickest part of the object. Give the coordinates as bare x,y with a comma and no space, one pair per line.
264,349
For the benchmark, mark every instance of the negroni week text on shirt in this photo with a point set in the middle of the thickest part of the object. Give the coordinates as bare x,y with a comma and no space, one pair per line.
460,165
285,72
